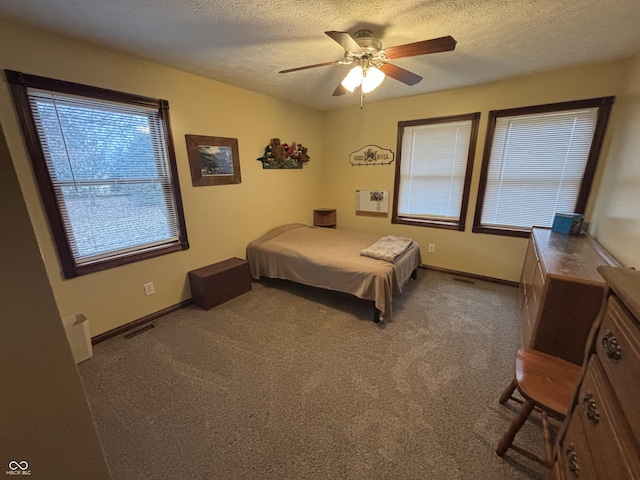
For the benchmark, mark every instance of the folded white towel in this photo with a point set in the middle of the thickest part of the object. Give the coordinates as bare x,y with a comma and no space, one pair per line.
388,248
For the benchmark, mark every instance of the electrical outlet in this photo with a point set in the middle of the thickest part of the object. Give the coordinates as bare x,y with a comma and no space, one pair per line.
432,248
148,289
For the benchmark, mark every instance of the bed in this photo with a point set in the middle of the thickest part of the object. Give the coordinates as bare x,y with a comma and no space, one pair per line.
330,258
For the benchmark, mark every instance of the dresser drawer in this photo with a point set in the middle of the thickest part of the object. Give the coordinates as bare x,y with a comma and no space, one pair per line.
525,325
531,305
618,347
538,284
528,269
574,457
608,436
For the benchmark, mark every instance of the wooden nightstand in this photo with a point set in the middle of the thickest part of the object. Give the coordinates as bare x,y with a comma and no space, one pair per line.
218,283
324,217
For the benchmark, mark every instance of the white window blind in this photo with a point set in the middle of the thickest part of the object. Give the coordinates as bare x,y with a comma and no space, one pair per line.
433,167
536,167
109,169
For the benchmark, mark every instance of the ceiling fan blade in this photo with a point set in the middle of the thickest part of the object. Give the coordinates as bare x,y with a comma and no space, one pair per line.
400,74
435,45
309,66
340,90
346,40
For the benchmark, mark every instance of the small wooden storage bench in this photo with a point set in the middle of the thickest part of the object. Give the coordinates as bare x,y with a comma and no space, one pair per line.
216,284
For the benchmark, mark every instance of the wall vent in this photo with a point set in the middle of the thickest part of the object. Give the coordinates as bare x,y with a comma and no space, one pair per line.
464,280
146,328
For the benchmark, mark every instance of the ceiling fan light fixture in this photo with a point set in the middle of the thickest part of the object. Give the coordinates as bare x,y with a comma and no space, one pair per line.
371,61
353,78
373,77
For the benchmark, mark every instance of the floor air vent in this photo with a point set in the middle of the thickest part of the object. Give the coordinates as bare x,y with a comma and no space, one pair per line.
146,328
464,280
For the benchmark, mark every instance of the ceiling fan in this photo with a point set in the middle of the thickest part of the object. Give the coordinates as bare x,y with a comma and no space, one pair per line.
371,60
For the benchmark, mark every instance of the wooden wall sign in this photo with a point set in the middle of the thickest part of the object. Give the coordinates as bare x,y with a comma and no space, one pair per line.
371,155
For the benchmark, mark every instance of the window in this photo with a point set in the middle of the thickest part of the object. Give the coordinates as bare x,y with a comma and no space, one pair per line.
433,172
538,161
106,169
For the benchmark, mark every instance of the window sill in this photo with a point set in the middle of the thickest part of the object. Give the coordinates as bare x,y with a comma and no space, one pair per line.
504,231
77,270
427,223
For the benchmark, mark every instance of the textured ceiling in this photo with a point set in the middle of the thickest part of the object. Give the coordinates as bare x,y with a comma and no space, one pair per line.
245,43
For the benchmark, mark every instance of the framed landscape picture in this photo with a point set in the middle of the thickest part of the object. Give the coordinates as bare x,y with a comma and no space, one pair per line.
213,160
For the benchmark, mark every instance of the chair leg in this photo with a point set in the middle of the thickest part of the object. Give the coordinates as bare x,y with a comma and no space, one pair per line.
506,395
507,439
548,446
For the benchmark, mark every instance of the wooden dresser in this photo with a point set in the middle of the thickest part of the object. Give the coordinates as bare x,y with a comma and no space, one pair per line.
561,292
218,283
600,438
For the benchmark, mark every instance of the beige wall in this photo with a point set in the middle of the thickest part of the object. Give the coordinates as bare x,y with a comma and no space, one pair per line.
221,220
44,415
347,130
616,218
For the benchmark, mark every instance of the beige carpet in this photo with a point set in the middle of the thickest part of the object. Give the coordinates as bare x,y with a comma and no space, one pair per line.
292,382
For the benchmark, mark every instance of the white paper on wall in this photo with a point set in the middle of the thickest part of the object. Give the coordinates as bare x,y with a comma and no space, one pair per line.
372,202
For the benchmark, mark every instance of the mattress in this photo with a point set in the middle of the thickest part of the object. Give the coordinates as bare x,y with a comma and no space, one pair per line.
330,258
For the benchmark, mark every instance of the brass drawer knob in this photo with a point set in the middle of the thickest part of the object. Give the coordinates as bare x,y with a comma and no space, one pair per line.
610,346
572,460
591,408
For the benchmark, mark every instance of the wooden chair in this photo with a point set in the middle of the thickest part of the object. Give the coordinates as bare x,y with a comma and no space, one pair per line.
547,383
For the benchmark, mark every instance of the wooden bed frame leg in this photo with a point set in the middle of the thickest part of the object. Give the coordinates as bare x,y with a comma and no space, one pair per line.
376,315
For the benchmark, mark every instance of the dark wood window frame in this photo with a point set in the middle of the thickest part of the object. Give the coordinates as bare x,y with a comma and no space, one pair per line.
19,83
435,222
603,104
